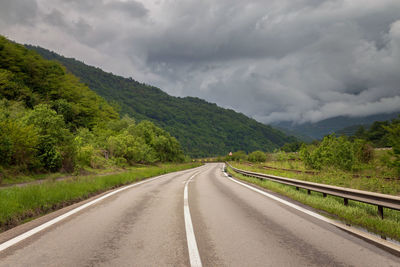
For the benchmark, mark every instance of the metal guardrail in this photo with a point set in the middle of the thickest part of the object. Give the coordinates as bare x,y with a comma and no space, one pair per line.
380,200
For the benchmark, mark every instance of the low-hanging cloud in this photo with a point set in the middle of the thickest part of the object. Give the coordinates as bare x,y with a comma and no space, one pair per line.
277,60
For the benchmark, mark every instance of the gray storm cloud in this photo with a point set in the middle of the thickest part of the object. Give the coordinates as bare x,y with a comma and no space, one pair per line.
286,60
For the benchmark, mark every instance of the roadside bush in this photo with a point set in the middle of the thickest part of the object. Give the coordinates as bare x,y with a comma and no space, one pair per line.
310,158
281,156
49,156
55,140
120,161
257,156
364,151
85,155
343,154
99,162
18,143
239,156
332,151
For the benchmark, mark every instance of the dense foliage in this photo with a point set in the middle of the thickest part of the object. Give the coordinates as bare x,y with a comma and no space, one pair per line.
257,156
239,155
50,121
339,152
292,147
202,128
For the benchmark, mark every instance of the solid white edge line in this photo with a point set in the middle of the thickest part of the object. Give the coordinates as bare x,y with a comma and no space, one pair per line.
194,255
360,233
41,227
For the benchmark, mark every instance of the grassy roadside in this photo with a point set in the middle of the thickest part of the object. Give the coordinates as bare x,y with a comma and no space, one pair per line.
12,177
331,177
357,214
19,204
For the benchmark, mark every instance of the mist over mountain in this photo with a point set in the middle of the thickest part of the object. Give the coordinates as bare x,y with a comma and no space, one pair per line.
338,125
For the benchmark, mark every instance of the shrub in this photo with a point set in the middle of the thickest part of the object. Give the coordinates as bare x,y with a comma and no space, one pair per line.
292,147
85,155
120,161
257,156
239,156
363,150
332,151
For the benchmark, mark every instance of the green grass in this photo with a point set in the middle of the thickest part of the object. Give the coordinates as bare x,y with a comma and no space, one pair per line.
15,176
328,176
29,178
18,204
356,213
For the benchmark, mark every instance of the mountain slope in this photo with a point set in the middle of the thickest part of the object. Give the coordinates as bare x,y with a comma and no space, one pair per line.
202,128
28,78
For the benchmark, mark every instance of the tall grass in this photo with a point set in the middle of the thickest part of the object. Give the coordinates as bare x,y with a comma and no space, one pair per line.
18,204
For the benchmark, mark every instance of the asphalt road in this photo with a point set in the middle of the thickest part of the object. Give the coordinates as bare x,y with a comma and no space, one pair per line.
233,226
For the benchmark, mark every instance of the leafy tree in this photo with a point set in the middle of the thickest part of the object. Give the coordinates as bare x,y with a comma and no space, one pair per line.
394,137
378,134
131,148
292,147
55,140
166,147
17,143
364,151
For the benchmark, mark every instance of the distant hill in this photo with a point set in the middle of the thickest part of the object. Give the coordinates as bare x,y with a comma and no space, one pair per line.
339,125
202,128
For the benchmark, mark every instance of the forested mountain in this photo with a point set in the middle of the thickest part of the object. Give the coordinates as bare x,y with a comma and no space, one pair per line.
49,121
202,128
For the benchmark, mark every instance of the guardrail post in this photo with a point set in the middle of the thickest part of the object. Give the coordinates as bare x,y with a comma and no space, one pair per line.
346,201
309,191
380,211
324,194
297,188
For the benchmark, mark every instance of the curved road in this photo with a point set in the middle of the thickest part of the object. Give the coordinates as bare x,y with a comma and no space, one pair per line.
232,225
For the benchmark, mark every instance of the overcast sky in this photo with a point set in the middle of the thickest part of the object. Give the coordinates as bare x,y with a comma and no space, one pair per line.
276,60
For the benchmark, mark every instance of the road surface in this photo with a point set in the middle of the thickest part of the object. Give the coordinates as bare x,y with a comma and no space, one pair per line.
232,226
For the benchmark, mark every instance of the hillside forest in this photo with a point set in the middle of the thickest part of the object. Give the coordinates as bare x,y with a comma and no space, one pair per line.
50,121
202,128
